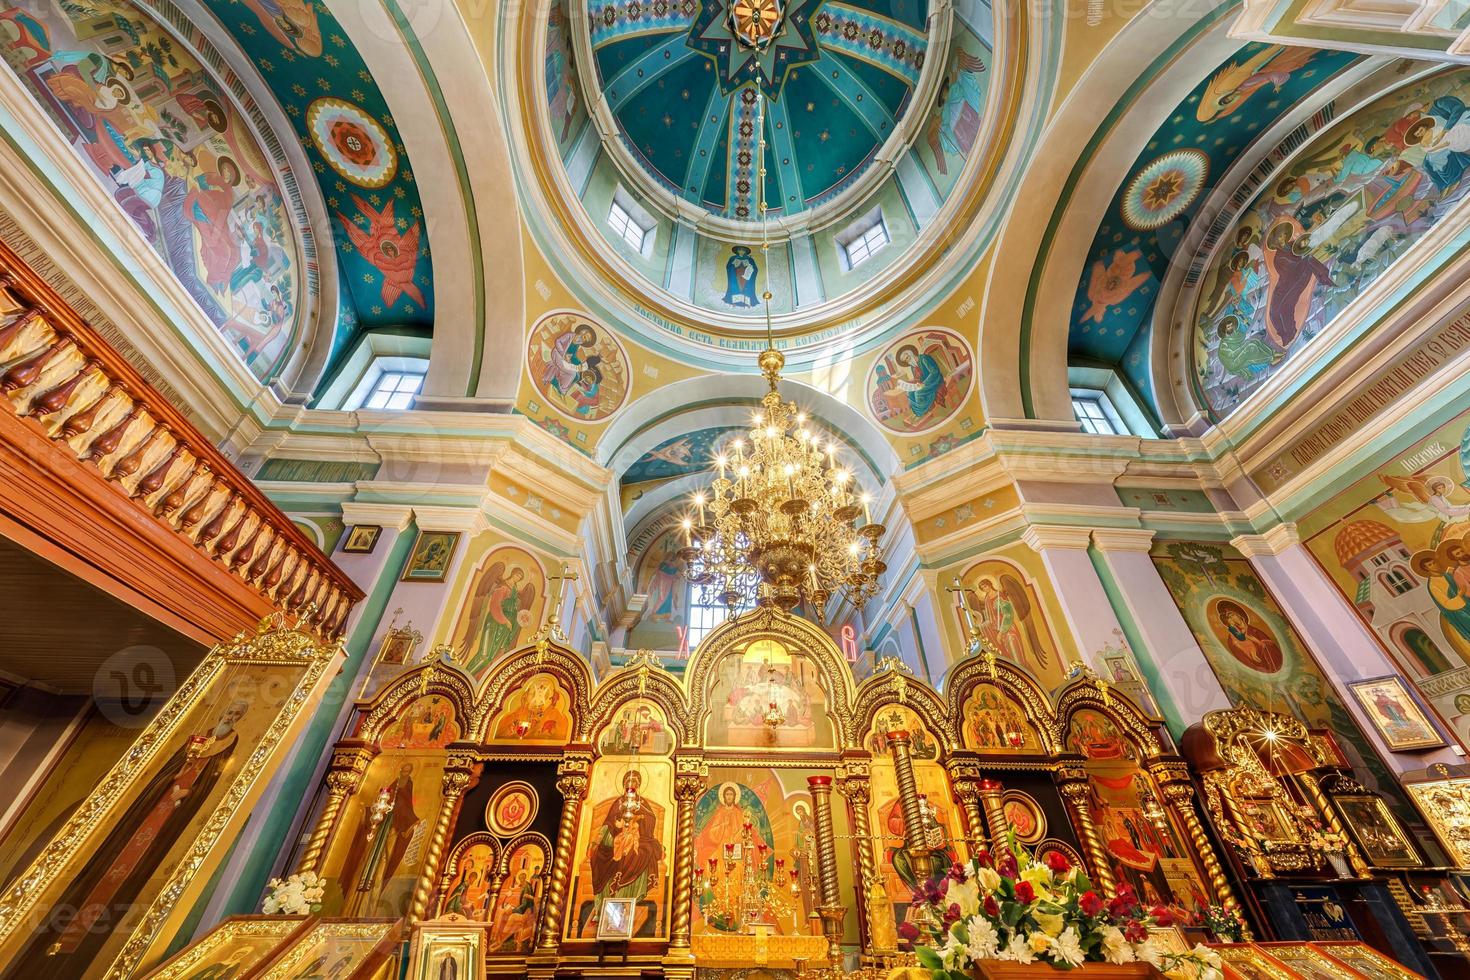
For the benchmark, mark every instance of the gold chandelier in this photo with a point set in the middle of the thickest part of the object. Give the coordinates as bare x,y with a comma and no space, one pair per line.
779,526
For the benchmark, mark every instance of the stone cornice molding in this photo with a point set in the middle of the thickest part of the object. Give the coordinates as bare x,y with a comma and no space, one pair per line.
391,517
1055,537
1269,544
1123,539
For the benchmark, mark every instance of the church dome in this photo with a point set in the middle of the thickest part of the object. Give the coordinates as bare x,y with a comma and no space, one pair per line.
1362,538
680,79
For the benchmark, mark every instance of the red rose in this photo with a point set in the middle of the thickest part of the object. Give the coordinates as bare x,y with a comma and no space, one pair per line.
908,931
1091,903
1162,916
1025,894
952,914
983,859
1134,932
1058,863
990,907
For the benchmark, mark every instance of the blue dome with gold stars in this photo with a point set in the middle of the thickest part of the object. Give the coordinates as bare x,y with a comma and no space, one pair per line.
681,77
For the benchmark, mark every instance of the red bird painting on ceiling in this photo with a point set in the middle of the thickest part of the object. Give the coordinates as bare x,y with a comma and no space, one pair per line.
393,253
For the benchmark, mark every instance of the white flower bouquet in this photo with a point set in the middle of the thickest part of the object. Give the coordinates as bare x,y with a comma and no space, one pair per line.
300,894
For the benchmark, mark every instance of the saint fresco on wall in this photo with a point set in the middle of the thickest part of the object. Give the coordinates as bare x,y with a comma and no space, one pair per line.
1394,544
1256,654
1006,606
920,381
1324,228
746,684
170,148
954,124
578,367
660,578
502,608
468,892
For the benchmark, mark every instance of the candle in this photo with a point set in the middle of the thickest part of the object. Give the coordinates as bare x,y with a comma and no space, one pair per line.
867,514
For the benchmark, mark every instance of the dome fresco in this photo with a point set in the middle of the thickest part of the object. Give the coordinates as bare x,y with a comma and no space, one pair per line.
682,88
845,86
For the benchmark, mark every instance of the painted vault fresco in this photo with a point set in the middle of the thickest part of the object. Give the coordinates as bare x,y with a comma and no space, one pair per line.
166,143
1395,544
1324,228
1257,655
343,123
1146,221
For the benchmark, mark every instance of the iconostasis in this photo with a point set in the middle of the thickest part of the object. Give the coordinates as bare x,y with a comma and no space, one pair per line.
681,816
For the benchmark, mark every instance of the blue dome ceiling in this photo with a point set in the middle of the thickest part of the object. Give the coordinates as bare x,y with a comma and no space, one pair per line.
681,84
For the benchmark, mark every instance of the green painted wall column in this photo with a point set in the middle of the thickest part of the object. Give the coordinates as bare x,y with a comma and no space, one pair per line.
1172,663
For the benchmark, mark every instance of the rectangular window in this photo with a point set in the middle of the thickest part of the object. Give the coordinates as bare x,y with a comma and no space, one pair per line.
394,390
704,618
866,244
1096,416
626,227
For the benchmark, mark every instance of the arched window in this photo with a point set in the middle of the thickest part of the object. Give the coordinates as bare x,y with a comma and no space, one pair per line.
1397,581
1423,652
704,617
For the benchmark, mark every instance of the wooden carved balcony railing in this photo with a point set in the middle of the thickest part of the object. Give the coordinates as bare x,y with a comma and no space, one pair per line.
60,377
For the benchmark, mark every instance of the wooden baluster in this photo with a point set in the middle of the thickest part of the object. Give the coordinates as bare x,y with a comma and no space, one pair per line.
153,482
280,573
246,551
263,563
129,464
277,566
177,497
216,524
9,301
79,423
106,444
13,329
56,399
304,590
196,513
25,374
226,542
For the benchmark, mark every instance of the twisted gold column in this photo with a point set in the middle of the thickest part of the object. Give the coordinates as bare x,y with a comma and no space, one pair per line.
1319,799
992,800
967,792
876,938
1180,798
456,781
832,911
687,789
908,796
1073,784
344,779
573,788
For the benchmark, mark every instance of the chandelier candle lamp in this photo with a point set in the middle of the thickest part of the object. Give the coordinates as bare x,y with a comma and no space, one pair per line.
784,523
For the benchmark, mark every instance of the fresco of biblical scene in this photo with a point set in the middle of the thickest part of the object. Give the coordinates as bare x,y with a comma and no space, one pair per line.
897,717
518,904
993,723
1147,855
665,618
1256,654
536,711
1006,606
156,823
745,687
637,729
624,846
381,838
501,610
567,113
167,144
954,123
920,381
473,865
579,368
1394,545
1345,208
886,816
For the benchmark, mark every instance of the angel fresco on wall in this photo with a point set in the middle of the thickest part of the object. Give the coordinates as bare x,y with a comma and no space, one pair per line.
955,125
500,610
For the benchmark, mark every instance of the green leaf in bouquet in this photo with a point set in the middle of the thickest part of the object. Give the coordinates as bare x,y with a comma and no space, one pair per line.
929,958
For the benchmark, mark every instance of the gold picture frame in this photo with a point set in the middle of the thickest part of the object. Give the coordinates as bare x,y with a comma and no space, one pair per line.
283,661
1031,828
1398,716
361,539
433,553
517,793
241,941
615,920
454,939
1376,832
